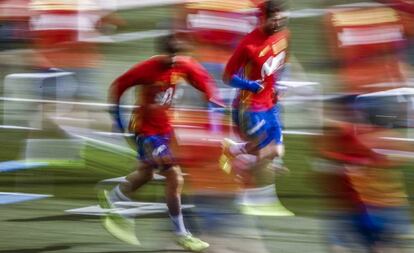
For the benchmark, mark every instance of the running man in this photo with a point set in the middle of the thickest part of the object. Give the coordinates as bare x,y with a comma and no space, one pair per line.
158,77
254,69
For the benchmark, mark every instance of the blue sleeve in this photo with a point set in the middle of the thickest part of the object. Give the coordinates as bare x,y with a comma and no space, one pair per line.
116,115
244,84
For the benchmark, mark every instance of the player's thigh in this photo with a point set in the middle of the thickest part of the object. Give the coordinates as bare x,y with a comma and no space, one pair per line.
154,150
275,126
254,128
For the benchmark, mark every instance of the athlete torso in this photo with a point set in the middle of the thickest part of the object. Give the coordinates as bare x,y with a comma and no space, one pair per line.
260,57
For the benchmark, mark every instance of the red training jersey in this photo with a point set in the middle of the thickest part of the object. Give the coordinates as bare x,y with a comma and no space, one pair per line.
259,57
158,82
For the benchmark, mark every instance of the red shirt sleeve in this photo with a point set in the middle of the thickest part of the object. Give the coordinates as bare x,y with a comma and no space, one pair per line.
236,61
137,75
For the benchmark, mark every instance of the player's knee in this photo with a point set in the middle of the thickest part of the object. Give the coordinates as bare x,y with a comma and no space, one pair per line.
178,176
146,173
280,150
174,176
271,151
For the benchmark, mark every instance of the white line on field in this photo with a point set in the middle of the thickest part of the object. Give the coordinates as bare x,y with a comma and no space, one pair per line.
18,127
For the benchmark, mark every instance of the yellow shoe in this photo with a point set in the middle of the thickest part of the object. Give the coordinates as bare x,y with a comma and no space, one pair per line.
273,209
226,156
121,228
224,163
117,225
192,243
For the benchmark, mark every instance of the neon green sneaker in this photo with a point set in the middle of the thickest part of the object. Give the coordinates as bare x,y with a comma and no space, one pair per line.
226,156
117,225
273,209
103,200
192,243
224,163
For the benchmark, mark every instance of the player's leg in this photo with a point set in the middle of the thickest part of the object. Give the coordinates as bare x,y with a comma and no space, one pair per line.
264,161
123,191
173,188
120,226
263,140
162,155
230,148
148,161
242,156
174,183
275,151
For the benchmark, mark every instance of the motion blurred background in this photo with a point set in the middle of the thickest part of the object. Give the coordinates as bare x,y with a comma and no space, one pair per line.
58,58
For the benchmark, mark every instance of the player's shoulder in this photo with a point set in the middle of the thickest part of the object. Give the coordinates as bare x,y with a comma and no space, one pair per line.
251,36
281,38
184,60
154,59
285,34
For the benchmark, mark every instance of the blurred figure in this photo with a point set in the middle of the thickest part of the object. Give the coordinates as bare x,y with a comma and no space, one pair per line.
254,69
150,123
405,10
14,24
14,27
63,33
369,204
215,28
371,208
366,43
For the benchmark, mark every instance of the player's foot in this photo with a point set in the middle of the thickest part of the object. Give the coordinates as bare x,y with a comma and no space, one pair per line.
104,200
227,156
273,209
192,243
120,227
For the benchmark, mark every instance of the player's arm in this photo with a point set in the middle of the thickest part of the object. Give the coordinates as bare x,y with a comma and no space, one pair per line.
200,79
134,76
231,74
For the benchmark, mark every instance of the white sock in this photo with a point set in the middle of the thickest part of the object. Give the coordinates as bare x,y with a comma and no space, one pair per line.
259,196
116,195
179,227
237,149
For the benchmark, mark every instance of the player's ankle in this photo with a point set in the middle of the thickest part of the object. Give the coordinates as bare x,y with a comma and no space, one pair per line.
237,149
182,233
117,195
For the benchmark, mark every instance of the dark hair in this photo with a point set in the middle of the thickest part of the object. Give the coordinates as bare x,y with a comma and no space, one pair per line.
272,6
169,44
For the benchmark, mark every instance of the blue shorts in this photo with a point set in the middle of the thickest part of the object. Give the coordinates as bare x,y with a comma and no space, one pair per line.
260,128
382,224
155,150
370,226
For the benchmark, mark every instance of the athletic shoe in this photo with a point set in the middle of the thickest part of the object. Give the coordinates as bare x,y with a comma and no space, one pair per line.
120,227
226,156
192,243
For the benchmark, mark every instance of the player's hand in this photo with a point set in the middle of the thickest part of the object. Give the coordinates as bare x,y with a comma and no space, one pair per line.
260,86
245,84
217,102
114,110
